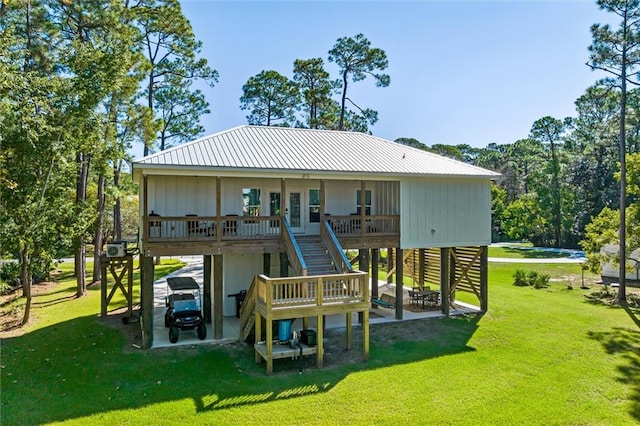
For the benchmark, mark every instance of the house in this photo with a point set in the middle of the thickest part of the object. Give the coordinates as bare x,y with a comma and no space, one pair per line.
277,207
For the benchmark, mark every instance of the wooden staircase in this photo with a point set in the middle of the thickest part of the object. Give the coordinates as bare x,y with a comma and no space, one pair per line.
247,316
316,256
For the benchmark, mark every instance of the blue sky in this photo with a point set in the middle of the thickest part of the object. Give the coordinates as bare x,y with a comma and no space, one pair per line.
471,72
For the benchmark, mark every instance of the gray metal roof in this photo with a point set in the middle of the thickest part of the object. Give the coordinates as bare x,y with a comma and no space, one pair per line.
310,150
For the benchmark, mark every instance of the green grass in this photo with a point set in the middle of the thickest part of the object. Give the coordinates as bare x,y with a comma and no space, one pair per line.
519,253
536,357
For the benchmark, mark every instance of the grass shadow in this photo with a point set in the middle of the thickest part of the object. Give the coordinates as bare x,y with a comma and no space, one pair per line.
626,344
79,368
531,253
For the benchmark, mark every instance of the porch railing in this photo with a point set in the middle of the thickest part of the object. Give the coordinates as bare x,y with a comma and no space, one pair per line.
316,290
334,248
207,228
293,251
352,226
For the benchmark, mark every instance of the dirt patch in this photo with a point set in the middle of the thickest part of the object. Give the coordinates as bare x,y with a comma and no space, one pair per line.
12,308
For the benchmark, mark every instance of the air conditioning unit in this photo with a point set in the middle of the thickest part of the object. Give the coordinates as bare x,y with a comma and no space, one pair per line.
118,249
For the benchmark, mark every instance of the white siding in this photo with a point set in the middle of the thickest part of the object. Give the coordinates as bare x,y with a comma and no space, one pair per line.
182,195
238,271
445,212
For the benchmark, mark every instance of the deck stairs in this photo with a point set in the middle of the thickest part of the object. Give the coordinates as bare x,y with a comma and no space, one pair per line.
316,255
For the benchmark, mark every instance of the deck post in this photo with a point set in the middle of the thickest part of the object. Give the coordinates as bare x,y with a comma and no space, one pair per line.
319,343
146,300
206,300
269,343
363,209
349,325
375,255
444,279
484,279
257,327
389,264
218,210
365,335
217,296
399,283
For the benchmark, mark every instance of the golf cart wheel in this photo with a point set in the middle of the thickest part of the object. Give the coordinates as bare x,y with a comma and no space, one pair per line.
173,334
202,331
167,321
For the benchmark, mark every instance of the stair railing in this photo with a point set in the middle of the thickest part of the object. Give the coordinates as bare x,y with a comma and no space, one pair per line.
293,250
335,250
246,311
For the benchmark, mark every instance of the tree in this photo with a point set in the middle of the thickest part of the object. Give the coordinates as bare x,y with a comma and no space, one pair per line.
357,59
411,142
171,55
316,88
549,130
271,97
617,52
179,109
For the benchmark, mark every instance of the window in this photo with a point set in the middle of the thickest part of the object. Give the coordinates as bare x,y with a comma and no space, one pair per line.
314,206
274,207
367,202
251,202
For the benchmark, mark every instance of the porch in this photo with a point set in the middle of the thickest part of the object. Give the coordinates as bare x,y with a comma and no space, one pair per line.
191,235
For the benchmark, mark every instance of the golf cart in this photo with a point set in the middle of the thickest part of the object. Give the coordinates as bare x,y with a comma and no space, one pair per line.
183,308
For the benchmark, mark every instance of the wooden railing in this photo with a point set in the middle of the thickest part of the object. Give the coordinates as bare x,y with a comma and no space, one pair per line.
246,311
289,292
334,248
351,226
292,249
193,228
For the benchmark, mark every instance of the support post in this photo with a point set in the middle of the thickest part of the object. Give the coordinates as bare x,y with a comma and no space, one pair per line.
484,279
349,325
390,263
375,255
320,343
444,279
146,300
217,296
399,284
218,210
284,265
208,274
363,209
257,327
266,264
323,203
421,268
365,335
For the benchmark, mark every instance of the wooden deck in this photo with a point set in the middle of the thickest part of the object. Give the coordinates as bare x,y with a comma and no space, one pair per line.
305,297
211,235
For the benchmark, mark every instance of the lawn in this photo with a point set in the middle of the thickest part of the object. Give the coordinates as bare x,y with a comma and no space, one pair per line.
536,357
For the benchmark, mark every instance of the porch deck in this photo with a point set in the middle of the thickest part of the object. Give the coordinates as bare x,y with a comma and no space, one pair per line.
191,235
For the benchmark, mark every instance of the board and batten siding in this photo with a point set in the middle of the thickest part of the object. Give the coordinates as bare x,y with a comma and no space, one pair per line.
438,212
182,195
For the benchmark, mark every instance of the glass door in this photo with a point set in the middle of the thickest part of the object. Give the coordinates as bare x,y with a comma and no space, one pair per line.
294,212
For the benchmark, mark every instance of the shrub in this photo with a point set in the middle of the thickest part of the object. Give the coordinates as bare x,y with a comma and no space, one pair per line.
520,278
530,278
9,276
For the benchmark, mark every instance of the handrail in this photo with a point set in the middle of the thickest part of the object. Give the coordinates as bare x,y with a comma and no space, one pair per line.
336,252
292,248
246,310
317,290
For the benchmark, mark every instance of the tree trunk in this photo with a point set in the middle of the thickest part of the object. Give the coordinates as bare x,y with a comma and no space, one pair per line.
81,196
344,99
622,289
117,210
99,230
26,284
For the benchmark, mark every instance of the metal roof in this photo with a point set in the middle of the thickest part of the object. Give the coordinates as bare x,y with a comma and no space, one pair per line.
309,150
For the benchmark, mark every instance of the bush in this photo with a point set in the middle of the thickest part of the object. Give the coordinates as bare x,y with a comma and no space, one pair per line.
9,276
522,278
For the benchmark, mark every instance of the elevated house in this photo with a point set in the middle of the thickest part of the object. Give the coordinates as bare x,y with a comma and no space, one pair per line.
272,211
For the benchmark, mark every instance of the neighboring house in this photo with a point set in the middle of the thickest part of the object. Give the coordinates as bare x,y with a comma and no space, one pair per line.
611,270
287,202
